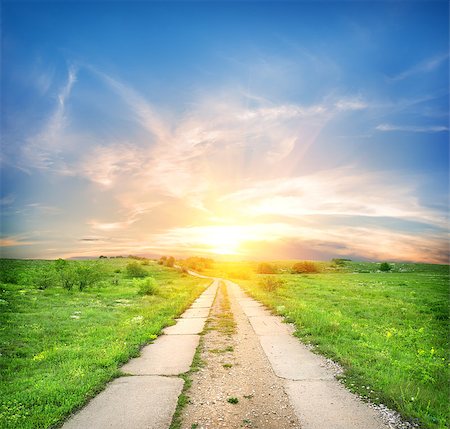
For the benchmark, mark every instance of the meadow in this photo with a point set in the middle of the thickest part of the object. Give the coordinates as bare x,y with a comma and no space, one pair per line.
66,327
389,330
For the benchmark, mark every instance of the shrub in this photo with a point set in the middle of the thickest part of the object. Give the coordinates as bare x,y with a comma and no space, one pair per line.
87,275
43,278
66,274
270,284
384,266
170,261
265,268
340,262
134,269
198,263
147,286
305,267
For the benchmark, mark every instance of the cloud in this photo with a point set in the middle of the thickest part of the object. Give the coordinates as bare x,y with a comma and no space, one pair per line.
426,66
230,173
336,192
107,164
347,104
412,128
14,241
42,151
7,200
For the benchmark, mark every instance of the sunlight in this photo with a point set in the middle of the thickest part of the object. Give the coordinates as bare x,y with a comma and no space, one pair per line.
223,240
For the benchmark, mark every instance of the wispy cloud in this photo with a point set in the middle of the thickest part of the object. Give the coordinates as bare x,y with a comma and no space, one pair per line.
337,192
412,128
13,241
7,200
425,66
41,151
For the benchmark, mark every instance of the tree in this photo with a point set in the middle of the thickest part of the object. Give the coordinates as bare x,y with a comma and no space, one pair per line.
384,266
86,275
170,262
303,267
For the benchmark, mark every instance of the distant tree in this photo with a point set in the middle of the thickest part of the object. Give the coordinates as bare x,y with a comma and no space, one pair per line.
340,261
304,267
265,268
170,262
384,266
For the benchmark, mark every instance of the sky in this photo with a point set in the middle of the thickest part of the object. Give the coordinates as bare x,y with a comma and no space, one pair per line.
248,130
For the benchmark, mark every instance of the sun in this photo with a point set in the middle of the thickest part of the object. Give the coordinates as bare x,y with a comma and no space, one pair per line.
223,240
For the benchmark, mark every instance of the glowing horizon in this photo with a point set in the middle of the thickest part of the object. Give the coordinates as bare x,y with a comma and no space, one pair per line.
266,138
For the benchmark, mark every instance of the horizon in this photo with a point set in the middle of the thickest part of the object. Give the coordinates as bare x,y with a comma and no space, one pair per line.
271,131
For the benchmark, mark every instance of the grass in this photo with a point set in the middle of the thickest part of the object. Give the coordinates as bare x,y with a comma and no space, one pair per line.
183,399
59,348
388,330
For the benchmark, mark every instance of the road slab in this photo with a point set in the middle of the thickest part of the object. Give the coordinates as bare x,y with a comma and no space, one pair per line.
248,302
270,325
186,327
146,402
195,312
327,405
168,355
255,311
292,360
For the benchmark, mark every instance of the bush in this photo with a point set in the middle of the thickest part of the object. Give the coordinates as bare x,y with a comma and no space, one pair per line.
134,269
87,275
265,268
170,261
198,263
340,262
384,266
270,284
43,278
66,274
303,267
147,286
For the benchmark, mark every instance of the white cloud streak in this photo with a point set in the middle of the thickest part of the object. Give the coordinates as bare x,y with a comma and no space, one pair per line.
426,66
412,128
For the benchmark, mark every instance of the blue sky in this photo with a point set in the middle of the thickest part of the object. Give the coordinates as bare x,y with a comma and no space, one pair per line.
253,129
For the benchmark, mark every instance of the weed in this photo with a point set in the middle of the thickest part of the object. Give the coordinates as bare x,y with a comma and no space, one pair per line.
227,365
233,400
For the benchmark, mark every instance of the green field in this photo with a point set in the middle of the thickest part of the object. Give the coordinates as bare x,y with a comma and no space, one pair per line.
389,330
60,347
